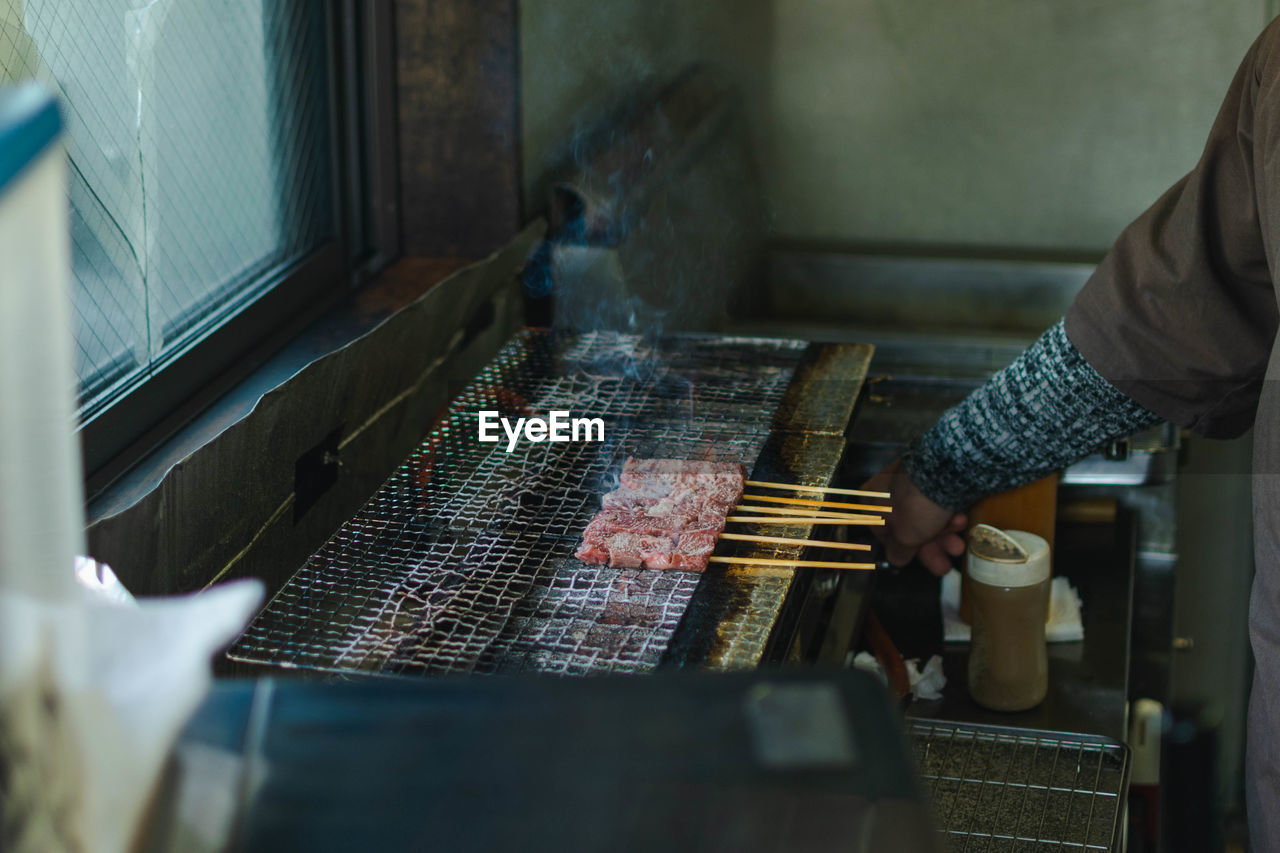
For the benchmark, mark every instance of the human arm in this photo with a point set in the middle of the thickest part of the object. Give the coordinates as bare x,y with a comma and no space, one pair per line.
1041,413
1178,321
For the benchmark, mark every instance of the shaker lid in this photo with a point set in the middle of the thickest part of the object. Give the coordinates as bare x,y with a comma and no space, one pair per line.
992,543
1006,557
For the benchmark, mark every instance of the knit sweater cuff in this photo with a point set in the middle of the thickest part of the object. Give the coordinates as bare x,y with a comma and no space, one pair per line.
1044,411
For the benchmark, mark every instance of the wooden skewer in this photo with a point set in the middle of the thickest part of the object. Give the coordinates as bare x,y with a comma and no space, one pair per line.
804,502
831,490
791,510
868,520
787,540
806,564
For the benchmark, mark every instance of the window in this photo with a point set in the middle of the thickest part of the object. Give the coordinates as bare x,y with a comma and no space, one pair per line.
205,146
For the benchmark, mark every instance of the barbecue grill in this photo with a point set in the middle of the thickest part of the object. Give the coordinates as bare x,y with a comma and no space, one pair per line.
463,560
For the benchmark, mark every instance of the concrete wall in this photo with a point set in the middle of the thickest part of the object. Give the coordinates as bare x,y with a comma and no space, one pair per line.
990,123
1023,124
580,58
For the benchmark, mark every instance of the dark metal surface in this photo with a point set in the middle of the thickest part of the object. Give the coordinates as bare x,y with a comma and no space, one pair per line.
999,788
463,560
794,761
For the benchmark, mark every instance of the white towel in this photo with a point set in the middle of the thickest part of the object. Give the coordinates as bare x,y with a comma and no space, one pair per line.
926,683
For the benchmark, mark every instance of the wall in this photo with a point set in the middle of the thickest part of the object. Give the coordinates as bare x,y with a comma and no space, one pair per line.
989,123
580,59
1007,124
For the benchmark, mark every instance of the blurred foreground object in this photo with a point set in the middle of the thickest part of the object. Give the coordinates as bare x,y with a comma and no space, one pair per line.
93,689
799,760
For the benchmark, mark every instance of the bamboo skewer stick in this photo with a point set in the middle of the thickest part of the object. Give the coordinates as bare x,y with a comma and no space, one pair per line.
868,520
787,540
806,564
831,490
806,512
823,504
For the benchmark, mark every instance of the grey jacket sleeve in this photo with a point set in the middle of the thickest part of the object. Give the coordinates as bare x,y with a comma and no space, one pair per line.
1038,415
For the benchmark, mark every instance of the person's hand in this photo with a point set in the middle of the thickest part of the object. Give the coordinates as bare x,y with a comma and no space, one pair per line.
917,527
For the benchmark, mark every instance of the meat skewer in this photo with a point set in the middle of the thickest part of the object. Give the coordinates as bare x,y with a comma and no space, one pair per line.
804,564
820,504
804,511
864,520
830,490
669,514
788,540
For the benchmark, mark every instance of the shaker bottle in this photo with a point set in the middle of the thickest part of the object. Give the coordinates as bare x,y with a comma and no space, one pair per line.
1009,576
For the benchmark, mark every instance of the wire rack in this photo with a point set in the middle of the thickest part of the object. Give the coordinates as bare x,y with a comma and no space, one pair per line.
688,379
996,789
463,560
453,481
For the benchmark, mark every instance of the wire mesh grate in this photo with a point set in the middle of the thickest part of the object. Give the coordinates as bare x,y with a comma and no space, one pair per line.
997,789
463,559
707,380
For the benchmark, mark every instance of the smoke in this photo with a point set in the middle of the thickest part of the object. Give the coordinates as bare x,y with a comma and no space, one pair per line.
644,159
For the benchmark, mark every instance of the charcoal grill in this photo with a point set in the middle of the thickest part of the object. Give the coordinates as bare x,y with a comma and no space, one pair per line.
463,560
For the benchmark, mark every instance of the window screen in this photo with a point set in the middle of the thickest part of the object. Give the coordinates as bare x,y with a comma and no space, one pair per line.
198,142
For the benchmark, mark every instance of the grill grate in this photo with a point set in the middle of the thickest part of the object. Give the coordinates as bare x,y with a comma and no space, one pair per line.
996,789
701,380
463,560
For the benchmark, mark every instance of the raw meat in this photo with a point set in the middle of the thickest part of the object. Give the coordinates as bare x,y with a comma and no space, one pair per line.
665,514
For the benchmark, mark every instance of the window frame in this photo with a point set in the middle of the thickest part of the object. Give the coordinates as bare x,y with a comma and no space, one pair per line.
248,329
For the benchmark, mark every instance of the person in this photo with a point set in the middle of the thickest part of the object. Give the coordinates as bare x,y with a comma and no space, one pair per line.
1178,322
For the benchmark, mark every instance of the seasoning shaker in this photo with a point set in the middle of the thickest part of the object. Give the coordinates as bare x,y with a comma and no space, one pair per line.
1009,574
